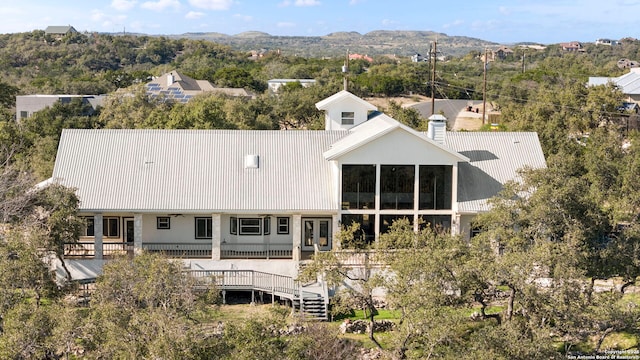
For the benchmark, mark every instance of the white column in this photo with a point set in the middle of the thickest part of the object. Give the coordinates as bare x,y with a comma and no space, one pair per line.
216,235
97,236
416,197
376,228
335,228
455,226
296,233
137,234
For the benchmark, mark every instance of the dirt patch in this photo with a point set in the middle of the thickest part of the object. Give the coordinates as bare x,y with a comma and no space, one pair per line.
383,102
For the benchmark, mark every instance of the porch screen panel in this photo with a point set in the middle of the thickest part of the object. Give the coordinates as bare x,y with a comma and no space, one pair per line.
358,186
397,186
367,226
435,187
387,220
436,222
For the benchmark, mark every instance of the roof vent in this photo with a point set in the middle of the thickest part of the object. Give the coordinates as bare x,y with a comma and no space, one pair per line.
437,128
251,161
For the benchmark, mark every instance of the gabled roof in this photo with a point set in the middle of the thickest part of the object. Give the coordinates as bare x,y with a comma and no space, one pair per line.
182,171
340,96
373,129
628,83
60,29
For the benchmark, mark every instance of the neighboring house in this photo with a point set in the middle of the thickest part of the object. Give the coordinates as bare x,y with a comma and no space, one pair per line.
58,32
418,58
267,199
571,46
627,64
607,42
274,84
26,105
628,83
502,53
181,88
360,57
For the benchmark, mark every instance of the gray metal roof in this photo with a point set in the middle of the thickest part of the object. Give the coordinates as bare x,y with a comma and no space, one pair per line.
628,83
495,158
197,170
204,171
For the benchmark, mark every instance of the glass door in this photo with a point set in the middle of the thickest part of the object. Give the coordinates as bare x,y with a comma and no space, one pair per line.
316,232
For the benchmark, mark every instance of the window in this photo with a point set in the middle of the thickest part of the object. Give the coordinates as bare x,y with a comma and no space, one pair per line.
435,187
233,225
24,114
387,220
89,226
266,226
111,227
367,226
163,222
203,228
397,186
436,222
283,225
358,186
250,226
348,117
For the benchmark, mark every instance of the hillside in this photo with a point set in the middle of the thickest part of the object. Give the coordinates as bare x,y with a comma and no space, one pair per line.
381,42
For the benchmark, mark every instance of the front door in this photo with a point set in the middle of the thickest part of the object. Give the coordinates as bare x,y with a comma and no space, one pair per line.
316,232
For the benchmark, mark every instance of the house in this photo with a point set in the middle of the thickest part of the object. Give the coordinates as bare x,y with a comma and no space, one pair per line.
274,84
627,64
628,83
360,57
181,88
26,105
58,32
418,58
607,42
571,46
502,53
268,199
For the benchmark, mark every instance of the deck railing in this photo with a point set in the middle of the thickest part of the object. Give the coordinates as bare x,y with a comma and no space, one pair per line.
256,251
87,249
180,250
278,285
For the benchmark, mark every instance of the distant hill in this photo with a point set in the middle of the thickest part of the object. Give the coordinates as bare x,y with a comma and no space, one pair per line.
380,42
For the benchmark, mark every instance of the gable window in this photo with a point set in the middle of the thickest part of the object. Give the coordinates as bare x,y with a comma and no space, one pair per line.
348,117
163,222
24,114
250,226
203,228
283,225
358,186
89,227
111,227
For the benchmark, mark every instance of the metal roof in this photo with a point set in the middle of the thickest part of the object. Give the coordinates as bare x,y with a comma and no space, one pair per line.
628,83
197,170
495,158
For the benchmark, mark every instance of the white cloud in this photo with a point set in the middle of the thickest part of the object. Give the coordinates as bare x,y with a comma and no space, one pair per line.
245,18
453,24
123,5
160,5
387,22
307,3
192,15
299,3
212,4
286,25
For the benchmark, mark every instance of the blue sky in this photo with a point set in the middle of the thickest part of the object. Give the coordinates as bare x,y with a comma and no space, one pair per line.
544,21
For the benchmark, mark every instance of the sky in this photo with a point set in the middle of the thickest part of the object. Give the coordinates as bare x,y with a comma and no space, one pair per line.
512,21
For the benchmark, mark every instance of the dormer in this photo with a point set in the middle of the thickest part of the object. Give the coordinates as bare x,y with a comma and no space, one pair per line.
344,111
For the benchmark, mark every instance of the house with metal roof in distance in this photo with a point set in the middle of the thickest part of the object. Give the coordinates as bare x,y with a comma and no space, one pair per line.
268,199
275,84
181,88
58,32
27,105
628,83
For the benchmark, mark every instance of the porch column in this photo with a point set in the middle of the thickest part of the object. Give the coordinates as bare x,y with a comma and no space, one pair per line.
455,221
216,235
97,236
137,234
296,232
335,229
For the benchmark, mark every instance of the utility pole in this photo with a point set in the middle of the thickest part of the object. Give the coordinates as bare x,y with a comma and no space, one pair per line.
434,53
484,88
345,71
523,55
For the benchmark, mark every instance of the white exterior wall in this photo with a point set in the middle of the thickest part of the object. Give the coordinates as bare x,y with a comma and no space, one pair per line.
333,116
465,226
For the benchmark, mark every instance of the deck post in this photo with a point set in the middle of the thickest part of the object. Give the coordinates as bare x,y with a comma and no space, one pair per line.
137,234
216,234
273,289
296,233
97,239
